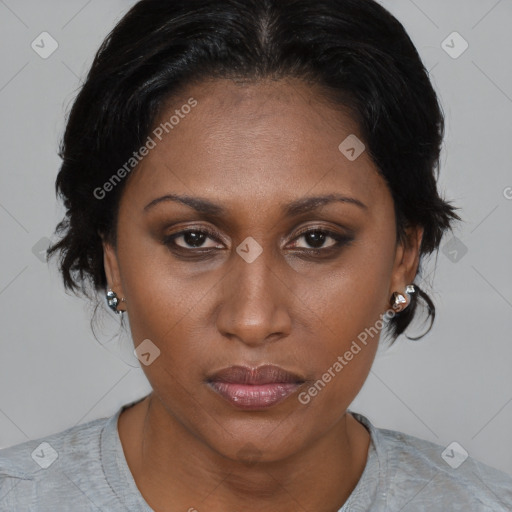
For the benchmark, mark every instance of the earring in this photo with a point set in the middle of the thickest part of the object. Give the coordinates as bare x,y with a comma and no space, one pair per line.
113,301
397,299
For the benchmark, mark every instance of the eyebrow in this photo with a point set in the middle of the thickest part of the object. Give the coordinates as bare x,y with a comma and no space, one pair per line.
297,207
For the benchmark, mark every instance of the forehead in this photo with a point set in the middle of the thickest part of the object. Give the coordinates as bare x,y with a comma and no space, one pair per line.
265,143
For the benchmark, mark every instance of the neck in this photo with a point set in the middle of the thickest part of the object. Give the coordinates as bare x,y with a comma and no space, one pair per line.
175,470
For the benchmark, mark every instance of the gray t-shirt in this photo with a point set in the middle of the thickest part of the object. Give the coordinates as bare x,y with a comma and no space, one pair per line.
84,469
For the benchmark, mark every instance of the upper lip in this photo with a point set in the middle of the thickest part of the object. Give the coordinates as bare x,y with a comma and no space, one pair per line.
265,374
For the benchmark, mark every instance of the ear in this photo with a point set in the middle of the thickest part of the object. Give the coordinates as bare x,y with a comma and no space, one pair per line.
111,265
407,259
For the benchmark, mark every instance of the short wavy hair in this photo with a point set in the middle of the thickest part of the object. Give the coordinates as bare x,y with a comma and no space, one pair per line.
355,51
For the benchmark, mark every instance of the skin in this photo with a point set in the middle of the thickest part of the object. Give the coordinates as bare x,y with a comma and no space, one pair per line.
253,148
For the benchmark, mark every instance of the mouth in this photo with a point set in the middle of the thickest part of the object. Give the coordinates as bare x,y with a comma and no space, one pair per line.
254,388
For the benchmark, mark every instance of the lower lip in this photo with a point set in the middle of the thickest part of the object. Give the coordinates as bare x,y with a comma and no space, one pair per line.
254,396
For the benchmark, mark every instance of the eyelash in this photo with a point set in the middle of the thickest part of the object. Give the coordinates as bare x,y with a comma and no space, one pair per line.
341,240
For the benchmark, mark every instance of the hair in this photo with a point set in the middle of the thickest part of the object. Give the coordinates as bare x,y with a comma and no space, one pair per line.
355,51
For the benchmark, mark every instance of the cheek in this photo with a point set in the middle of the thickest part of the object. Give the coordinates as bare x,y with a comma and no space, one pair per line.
163,304
345,310
352,296
165,308
343,352
169,315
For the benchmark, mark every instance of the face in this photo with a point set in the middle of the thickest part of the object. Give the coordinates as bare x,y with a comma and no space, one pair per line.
248,270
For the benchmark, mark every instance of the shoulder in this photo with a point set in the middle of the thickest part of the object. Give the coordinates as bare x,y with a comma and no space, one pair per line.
420,474
30,469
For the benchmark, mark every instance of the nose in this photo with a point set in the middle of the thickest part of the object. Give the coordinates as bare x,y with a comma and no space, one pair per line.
254,302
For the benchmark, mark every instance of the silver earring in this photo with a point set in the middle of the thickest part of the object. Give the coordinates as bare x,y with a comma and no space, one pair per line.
113,301
397,299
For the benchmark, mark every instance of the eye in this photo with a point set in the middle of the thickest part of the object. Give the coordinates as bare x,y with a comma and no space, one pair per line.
316,239
192,239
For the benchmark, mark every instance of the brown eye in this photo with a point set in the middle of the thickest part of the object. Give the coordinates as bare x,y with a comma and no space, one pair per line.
317,238
191,239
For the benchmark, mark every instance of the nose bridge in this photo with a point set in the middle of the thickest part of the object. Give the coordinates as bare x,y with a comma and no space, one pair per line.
253,304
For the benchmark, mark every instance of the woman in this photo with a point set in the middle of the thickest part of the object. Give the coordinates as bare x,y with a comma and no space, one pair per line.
253,184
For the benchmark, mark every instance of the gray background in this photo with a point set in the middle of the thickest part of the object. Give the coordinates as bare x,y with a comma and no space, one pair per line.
454,385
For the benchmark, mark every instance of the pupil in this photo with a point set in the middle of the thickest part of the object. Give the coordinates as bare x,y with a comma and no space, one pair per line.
316,237
194,239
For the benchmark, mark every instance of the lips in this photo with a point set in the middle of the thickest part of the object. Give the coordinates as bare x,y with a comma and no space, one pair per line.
254,388
266,374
